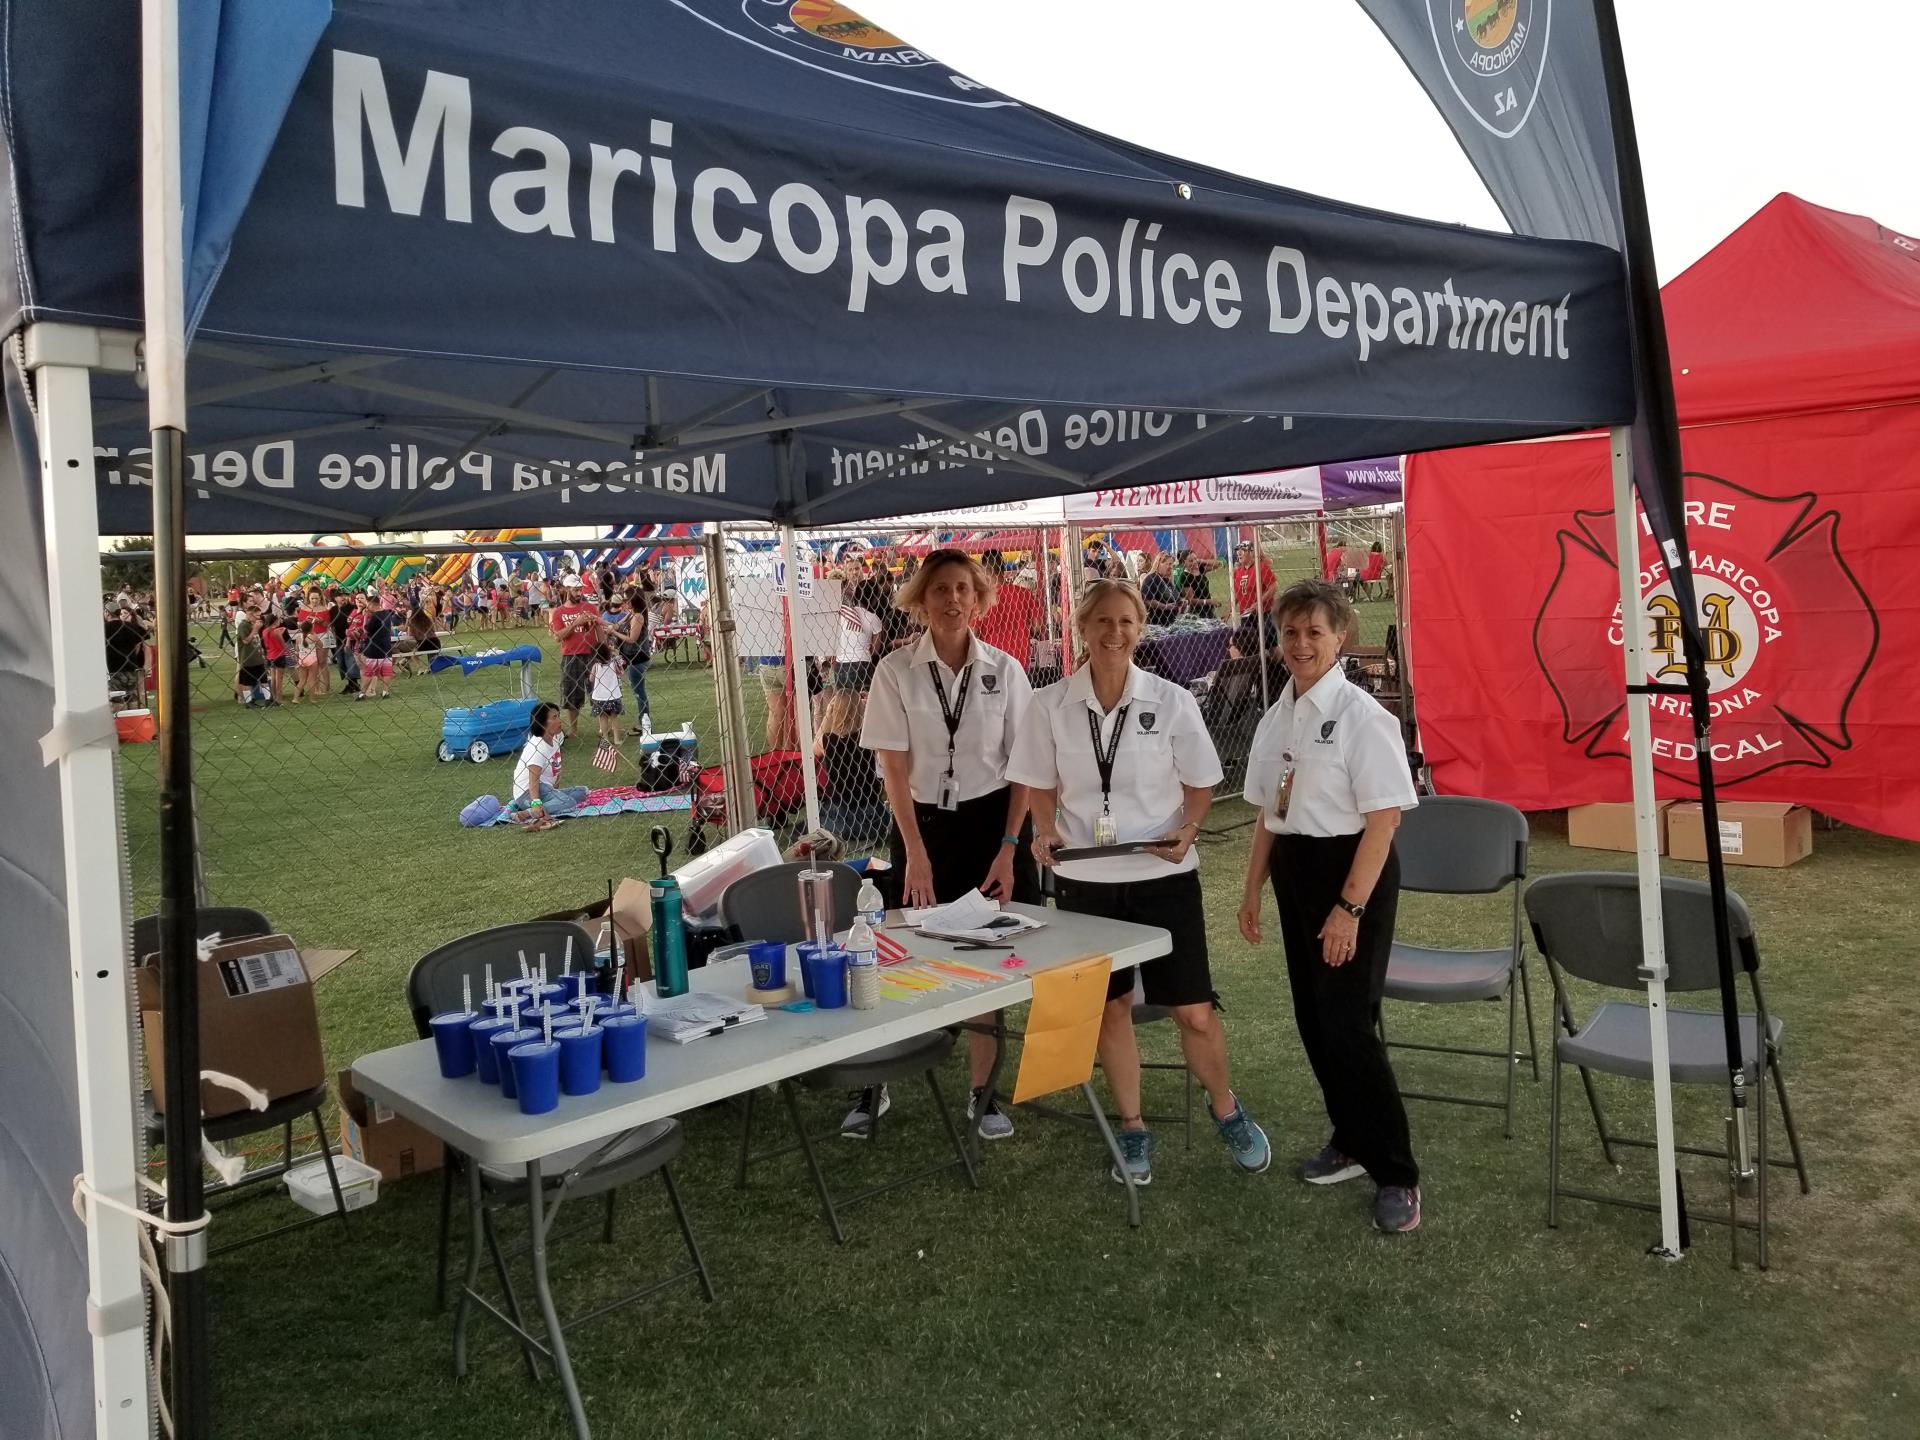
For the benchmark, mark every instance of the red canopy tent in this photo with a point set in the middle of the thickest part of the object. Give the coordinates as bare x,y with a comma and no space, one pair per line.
1796,359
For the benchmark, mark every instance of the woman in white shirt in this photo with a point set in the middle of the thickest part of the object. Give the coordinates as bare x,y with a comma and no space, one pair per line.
1328,772
537,801
942,715
1114,755
859,630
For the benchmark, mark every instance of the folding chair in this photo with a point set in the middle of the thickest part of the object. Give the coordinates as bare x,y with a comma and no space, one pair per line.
238,922
1588,925
1456,845
766,906
434,985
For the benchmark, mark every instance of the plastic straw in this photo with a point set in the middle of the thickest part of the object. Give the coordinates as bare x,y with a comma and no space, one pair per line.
543,969
489,980
567,964
546,1025
466,994
524,972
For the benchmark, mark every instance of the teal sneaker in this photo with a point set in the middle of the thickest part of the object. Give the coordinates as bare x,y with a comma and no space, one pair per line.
1248,1141
1136,1148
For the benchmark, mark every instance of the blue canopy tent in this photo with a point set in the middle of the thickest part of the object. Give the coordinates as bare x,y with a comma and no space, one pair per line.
593,261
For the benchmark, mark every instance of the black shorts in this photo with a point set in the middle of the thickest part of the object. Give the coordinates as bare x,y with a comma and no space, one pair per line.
606,707
1181,976
854,675
573,680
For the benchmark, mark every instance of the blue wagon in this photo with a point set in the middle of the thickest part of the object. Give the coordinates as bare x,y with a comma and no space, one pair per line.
497,727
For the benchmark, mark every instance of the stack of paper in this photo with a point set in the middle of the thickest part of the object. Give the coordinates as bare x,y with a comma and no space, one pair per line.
974,917
699,1013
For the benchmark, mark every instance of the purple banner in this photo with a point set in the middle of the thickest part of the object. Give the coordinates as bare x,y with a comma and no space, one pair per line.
1361,482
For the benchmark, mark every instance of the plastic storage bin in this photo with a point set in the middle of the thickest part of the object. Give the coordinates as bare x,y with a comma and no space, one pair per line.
704,879
307,1183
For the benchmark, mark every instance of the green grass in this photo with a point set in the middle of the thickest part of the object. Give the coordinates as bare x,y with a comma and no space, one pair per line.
1242,1307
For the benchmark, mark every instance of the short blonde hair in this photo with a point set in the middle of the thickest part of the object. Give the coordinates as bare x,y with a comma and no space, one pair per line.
1090,598
912,596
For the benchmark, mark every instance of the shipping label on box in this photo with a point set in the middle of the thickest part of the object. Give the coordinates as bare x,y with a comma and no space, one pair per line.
1733,838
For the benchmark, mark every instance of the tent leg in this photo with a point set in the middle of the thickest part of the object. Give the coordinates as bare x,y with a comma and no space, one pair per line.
802,694
97,925
1653,944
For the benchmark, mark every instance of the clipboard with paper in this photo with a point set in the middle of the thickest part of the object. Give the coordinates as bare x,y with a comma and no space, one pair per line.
1063,1028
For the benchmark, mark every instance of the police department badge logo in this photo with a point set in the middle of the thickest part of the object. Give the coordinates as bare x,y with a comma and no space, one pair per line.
1788,631
989,683
1147,717
1326,730
1493,53
827,36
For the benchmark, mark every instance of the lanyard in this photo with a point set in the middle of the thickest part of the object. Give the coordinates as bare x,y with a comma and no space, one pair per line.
1103,762
951,713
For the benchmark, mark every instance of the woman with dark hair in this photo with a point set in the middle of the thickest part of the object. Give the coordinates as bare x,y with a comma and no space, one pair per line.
1196,591
630,629
420,629
537,802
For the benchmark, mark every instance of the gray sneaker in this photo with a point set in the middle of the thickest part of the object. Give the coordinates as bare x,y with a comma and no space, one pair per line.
1248,1141
994,1125
1329,1167
1396,1209
859,1124
1136,1149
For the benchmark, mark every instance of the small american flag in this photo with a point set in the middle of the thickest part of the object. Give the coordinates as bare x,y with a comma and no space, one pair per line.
892,952
606,756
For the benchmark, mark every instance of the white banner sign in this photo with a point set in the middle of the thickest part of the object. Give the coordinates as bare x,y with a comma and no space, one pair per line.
1233,497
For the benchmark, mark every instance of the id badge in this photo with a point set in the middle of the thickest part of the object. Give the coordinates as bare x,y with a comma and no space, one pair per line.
1105,832
949,797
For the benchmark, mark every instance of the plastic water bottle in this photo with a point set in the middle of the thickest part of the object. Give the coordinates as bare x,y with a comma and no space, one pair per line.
686,730
646,725
871,908
863,966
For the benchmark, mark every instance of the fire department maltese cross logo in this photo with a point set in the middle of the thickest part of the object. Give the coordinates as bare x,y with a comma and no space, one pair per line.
1789,633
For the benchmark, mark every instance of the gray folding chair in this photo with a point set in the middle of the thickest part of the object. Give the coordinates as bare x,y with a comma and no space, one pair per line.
766,906
434,985
229,922
1588,925
1457,845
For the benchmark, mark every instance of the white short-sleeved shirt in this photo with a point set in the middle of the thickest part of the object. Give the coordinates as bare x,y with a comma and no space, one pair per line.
536,754
858,626
1164,748
605,676
903,713
1347,754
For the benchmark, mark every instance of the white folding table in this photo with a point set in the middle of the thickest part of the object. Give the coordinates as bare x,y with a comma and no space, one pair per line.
488,1129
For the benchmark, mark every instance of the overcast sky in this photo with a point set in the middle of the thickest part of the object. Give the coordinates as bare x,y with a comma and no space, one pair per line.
1734,102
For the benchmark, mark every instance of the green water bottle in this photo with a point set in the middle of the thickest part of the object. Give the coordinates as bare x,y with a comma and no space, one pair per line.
669,924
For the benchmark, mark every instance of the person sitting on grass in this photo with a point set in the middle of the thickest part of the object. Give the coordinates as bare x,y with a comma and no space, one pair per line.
603,686
537,802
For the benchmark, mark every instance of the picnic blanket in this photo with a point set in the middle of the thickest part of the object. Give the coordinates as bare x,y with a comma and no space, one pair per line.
619,800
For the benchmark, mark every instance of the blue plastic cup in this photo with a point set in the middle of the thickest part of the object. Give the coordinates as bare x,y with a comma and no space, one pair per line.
768,959
803,952
552,993
579,1059
453,1042
623,1047
485,1060
503,1043
828,969
613,1011
579,984
536,1075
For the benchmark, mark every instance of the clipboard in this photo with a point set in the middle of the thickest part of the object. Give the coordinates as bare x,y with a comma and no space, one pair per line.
1102,852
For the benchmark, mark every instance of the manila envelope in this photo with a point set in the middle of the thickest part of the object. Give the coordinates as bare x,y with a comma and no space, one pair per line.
1063,1027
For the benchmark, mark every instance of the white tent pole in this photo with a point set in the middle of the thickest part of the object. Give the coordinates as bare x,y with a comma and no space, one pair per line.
97,925
802,698
1653,940
736,753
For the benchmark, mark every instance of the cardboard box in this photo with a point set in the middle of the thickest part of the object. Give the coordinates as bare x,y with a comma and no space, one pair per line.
374,1135
257,1023
1610,826
1752,832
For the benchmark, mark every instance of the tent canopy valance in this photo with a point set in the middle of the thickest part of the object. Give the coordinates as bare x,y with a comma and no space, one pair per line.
713,259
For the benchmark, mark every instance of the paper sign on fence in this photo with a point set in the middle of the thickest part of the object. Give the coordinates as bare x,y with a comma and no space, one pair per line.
1062,1028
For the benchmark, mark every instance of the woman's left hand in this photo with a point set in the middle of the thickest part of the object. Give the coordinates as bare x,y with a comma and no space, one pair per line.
1174,849
1338,937
999,882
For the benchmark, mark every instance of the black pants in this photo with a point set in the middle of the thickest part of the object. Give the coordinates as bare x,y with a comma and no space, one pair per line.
962,845
1336,1006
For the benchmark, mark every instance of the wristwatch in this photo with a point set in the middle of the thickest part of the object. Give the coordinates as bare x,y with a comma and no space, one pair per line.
1356,911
